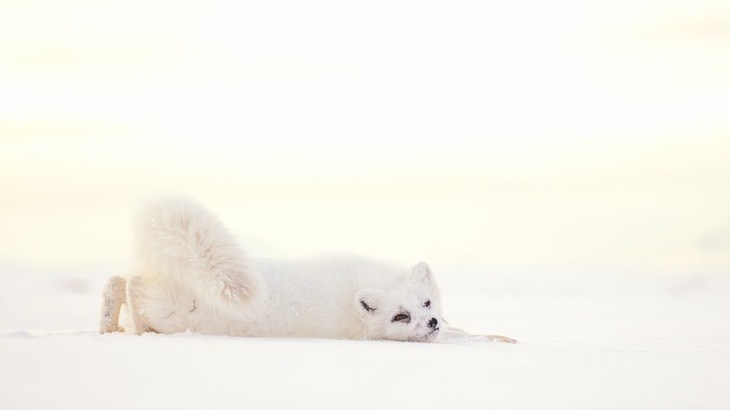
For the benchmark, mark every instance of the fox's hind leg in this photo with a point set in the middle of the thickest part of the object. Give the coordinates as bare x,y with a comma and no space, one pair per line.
114,296
135,291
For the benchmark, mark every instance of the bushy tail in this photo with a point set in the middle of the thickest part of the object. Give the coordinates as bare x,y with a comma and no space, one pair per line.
178,240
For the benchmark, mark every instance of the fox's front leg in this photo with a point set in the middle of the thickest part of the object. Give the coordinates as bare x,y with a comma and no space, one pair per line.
452,334
501,339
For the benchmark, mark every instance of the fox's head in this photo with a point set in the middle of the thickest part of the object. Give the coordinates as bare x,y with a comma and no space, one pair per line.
409,311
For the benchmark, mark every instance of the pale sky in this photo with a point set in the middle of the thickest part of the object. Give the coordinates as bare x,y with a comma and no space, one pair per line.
528,135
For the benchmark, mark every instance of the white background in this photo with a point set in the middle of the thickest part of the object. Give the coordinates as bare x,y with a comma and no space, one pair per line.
527,135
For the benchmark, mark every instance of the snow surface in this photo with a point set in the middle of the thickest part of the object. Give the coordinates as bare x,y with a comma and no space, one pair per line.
588,341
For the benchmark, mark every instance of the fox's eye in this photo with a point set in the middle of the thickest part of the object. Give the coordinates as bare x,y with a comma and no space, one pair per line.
401,317
427,304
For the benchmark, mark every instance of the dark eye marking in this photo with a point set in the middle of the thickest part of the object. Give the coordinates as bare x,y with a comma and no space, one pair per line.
402,317
427,304
365,305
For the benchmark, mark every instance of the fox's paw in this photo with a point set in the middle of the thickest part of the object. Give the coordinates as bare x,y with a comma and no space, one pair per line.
501,339
111,328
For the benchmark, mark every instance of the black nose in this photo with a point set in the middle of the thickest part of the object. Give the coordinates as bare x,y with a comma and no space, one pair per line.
433,322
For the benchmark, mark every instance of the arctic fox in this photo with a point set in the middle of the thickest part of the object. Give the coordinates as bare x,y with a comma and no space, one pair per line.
191,275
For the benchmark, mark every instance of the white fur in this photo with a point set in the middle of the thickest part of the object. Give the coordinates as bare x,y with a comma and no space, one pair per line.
193,276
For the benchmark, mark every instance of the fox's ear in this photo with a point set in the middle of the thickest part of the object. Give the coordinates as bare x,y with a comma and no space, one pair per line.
368,300
422,274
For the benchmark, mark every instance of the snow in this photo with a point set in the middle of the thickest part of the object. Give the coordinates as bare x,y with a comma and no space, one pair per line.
588,340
